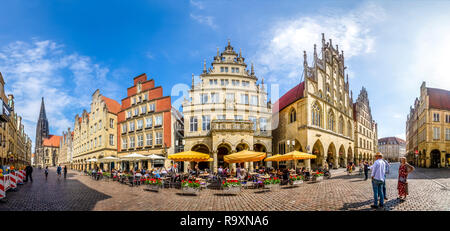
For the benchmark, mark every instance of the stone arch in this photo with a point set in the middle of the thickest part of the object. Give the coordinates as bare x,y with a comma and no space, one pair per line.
298,146
331,154
318,150
259,147
203,148
342,156
243,145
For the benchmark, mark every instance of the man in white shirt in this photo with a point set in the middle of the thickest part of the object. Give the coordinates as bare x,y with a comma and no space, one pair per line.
378,177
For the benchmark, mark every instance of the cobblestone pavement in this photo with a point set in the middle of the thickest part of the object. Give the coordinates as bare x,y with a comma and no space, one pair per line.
429,190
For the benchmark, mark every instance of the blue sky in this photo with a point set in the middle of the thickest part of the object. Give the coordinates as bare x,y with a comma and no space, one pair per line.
64,50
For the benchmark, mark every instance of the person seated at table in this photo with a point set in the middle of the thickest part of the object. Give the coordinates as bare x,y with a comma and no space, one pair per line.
164,172
138,173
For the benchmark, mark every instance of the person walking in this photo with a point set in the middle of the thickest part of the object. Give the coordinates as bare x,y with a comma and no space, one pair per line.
378,173
28,173
58,171
403,172
366,170
387,172
46,172
65,171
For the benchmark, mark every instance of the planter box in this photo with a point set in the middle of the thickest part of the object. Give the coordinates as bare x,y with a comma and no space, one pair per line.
153,187
297,182
190,190
317,179
232,189
272,186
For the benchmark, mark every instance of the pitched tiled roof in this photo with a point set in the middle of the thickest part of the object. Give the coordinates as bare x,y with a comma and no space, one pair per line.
290,97
112,105
390,140
439,98
52,141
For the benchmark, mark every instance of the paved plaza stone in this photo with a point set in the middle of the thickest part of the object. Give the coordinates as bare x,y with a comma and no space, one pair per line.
429,190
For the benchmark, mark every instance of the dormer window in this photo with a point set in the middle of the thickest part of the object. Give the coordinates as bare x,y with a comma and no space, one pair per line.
139,87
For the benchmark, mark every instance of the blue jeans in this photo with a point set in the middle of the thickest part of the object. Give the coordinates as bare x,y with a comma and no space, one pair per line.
377,186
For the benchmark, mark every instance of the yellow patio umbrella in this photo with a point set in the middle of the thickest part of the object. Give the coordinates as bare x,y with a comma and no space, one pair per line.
244,156
208,160
296,155
274,158
189,156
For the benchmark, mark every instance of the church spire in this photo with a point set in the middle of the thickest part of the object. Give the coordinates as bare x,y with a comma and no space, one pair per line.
42,114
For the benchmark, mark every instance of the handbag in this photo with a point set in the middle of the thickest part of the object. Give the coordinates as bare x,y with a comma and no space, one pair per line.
402,179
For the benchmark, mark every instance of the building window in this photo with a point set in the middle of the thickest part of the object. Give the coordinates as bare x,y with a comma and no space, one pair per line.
238,117
244,98
245,83
292,116
148,122
111,123
204,98
151,107
158,138
214,97
447,118
447,134
193,124
99,125
435,117
95,142
235,82
158,120
132,142
124,128
128,114
237,70
221,117
222,69
124,143
140,141
134,100
100,141
144,109
111,139
331,120
131,126
341,125
136,111
253,119
436,133
149,139
263,124
349,129
316,115
226,69
230,97
206,123
254,100
224,82
140,124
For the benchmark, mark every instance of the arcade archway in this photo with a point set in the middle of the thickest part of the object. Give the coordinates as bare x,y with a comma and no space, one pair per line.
435,156
203,149
331,155
342,156
319,152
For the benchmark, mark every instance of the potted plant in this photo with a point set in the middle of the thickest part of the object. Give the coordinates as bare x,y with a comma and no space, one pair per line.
153,184
272,183
231,186
190,186
317,176
295,180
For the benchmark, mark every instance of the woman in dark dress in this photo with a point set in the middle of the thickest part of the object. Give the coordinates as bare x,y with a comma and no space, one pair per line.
403,172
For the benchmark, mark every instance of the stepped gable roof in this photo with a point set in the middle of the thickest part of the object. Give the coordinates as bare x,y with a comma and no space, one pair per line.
112,105
439,98
52,141
391,140
290,97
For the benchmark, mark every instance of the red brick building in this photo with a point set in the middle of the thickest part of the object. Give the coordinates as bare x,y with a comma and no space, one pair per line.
145,122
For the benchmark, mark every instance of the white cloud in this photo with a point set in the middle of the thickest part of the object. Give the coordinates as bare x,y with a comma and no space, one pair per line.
280,55
207,20
397,116
44,69
197,4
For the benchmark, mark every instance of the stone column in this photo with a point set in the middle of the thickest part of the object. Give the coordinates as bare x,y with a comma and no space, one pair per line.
308,163
185,166
336,162
269,163
215,161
